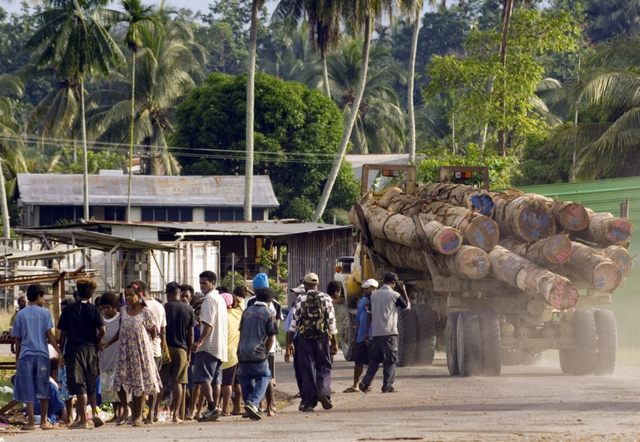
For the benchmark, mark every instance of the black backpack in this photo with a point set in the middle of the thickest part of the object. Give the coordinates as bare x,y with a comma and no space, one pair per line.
312,324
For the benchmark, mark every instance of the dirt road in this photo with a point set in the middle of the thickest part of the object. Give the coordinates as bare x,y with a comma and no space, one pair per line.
524,404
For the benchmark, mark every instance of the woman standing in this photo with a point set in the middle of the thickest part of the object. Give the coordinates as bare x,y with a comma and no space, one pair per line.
136,372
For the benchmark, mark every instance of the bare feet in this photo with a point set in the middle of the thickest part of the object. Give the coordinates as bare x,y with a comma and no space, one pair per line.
28,427
122,420
137,423
48,426
176,420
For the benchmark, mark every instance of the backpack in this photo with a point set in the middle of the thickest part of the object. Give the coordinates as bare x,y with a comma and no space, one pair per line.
312,324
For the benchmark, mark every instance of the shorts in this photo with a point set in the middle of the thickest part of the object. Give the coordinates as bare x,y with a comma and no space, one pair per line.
271,359
177,369
32,379
206,368
82,364
361,353
230,376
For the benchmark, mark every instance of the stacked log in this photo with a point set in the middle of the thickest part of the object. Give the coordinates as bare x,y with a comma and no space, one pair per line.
424,232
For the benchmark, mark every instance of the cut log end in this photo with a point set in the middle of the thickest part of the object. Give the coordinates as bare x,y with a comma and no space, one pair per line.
562,295
572,216
621,258
557,249
446,240
606,277
619,230
470,262
483,233
535,221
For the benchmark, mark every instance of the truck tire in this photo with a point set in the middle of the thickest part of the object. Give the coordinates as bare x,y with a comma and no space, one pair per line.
426,321
490,343
607,341
407,338
469,347
586,339
346,328
567,360
451,343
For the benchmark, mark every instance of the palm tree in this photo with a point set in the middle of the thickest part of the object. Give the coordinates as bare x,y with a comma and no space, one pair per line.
10,144
380,121
168,67
76,44
360,14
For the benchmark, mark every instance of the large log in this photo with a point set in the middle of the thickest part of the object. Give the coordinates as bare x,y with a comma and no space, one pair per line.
470,197
478,230
401,229
546,252
606,230
618,255
526,219
595,268
519,272
468,262
570,216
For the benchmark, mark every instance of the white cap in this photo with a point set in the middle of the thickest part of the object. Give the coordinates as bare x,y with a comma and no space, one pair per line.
298,290
370,283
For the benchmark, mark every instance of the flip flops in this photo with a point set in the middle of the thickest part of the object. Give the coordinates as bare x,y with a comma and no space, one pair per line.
351,390
97,422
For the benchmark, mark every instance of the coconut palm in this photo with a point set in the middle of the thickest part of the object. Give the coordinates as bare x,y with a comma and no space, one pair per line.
380,121
359,14
76,44
168,67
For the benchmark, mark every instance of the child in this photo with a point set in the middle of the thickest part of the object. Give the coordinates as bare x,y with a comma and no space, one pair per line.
136,372
32,329
108,356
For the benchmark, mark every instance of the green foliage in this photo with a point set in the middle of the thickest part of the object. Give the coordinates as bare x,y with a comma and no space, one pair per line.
544,163
484,91
502,170
297,132
265,259
96,161
281,292
238,280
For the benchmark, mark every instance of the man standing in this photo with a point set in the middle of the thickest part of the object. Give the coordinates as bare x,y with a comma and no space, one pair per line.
384,332
314,316
361,349
211,349
180,323
258,328
82,328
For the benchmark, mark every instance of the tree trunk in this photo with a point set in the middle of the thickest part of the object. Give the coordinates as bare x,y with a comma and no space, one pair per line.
353,113
251,73
596,269
459,195
410,85
6,226
325,75
523,218
519,272
569,216
85,166
477,230
618,255
546,252
606,230
131,127
506,20
401,229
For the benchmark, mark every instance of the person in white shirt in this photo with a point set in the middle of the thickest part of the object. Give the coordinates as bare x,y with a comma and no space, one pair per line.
210,351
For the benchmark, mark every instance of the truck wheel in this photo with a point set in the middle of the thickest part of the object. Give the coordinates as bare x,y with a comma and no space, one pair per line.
567,360
451,343
490,343
426,321
347,332
469,348
586,340
607,342
407,338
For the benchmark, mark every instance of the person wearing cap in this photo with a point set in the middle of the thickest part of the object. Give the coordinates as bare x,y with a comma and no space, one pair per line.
262,281
361,345
383,320
314,353
179,334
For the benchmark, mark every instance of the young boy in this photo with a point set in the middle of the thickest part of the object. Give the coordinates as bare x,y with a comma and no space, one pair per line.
32,330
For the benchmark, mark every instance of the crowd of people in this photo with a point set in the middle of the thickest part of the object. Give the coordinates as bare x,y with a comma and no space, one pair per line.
210,347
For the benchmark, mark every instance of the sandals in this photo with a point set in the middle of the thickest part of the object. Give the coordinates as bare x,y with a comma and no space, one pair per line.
52,427
351,390
78,426
97,422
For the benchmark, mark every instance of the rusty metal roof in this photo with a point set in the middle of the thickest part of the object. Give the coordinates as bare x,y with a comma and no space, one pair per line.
146,190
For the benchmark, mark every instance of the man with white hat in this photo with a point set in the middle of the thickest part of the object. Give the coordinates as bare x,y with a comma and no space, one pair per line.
360,340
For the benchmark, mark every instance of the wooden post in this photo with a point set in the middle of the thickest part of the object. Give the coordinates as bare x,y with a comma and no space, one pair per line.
624,208
57,290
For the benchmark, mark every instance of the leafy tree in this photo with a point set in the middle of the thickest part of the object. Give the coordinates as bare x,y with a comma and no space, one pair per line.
96,161
297,131
532,33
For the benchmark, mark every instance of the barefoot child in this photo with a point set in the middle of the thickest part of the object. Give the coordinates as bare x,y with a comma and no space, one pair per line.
32,329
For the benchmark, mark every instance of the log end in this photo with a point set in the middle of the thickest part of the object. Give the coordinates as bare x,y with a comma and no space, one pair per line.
534,221
472,263
557,249
622,259
483,233
606,277
619,230
563,295
446,240
573,217
482,203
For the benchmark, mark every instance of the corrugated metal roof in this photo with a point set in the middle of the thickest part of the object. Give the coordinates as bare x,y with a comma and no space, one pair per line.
147,190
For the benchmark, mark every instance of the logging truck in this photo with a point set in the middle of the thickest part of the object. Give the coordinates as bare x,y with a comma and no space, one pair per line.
495,278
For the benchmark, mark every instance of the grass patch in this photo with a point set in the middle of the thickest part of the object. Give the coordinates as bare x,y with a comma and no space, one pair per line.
5,318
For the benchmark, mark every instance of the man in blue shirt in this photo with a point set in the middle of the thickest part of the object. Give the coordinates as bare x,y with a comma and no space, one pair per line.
32,330
361,350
